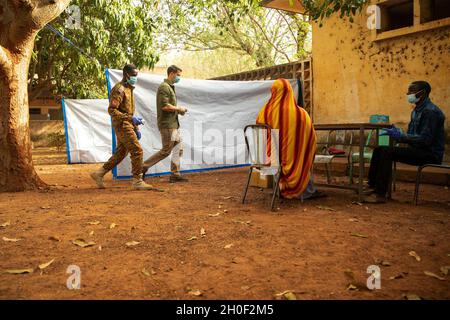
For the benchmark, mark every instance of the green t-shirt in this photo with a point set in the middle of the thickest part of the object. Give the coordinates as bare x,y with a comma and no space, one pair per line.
166,95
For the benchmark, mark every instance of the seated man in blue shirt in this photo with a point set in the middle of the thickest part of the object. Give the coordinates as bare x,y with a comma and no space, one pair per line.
425,139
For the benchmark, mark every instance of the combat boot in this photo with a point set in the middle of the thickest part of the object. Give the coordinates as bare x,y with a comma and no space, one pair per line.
139,184
97,176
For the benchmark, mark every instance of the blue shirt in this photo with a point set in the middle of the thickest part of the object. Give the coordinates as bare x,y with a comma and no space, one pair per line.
426,130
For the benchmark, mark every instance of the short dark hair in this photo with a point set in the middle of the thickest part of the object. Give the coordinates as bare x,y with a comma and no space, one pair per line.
173,68
129,68
417,86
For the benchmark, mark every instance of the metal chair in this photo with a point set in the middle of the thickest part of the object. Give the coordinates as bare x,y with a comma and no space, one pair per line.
419,177
343,139
257,140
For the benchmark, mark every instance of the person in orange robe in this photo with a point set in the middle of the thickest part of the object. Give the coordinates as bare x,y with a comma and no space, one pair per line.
297,141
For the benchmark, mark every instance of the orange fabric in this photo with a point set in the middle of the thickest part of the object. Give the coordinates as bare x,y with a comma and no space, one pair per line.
297,138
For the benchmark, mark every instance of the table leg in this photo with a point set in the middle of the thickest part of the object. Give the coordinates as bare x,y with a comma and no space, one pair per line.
361,164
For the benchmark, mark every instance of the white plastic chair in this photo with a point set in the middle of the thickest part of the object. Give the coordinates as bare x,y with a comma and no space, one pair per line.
256,140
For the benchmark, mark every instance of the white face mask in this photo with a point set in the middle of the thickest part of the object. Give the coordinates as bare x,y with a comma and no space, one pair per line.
412,98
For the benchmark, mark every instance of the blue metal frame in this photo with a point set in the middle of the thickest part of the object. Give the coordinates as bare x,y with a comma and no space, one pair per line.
63,107
114,142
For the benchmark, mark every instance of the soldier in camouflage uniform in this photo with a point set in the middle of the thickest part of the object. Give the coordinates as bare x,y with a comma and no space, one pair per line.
126,126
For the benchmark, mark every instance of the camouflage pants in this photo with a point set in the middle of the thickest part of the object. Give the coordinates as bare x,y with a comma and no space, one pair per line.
171,143
127,142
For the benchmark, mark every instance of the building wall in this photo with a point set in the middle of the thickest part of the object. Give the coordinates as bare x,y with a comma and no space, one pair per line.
355,77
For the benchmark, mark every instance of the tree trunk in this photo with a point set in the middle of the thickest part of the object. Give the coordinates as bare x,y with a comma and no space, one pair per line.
20,21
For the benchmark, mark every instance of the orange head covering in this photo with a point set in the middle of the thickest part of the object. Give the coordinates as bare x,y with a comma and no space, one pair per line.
297,143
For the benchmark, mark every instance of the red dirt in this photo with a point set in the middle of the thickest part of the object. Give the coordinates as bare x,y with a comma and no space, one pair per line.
301,247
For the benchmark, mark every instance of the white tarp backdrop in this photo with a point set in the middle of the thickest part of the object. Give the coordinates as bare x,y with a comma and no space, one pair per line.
88,130
212,130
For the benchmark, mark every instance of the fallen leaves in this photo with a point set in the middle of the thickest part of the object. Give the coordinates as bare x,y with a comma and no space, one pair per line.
248,222
45,265
228,246
4,225
411,296
433,275
415,255
19,271
359,235
112,225
94,223
196,293
82,243
214,214
10,240
192,238
401,275
444,270
54,238
286,295
325,208
202,232
132,243
145,272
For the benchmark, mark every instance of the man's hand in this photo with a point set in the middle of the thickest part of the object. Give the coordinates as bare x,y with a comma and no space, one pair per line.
138,134
182,110
137,121
392,132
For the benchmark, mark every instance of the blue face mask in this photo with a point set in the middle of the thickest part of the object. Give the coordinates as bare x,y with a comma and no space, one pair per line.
132,80
177,79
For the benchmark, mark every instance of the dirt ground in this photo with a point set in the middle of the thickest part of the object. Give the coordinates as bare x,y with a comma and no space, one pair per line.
319,249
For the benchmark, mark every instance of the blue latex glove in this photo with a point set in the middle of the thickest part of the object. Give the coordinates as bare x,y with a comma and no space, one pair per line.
138,134
137,121
392,132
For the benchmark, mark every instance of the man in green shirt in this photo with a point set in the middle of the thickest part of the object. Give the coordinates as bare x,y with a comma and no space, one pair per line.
168,125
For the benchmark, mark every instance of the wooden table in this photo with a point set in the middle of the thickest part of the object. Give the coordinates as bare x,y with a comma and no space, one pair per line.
361,128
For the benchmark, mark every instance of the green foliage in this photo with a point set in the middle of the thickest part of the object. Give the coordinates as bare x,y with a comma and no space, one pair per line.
56,140
267,36
113,33
321,9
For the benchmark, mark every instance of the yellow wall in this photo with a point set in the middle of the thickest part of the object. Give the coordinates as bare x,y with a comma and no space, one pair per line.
355,77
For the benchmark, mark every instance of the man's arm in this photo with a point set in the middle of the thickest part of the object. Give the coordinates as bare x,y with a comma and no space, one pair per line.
113,109
426,132
164,99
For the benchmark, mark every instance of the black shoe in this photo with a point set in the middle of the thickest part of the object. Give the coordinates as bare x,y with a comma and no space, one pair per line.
174,179
375,198
317,194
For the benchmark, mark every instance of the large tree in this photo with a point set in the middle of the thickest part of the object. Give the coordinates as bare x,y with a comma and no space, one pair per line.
20,22
268,37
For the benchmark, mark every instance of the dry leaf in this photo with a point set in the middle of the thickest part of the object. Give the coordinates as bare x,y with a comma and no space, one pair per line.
411,296
10,240
415,255
94,223
132,243
54,238
245,288
82,243
192,238
288,295
352,287
45,208
444,270
112,225
203,232
401,275
385,263
225,211
19,271
325,208
353,220
4,225
228,246
45,265
91,233
196,293
99,248
431,274
215,214
227,198
358,235
145,272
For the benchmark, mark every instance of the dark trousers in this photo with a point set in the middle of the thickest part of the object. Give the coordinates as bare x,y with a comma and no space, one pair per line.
380,171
